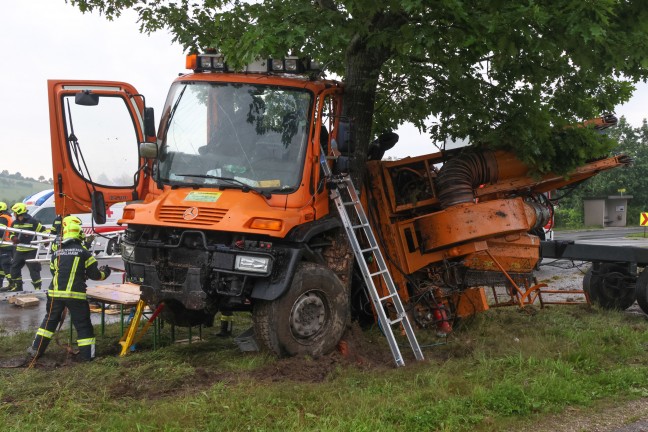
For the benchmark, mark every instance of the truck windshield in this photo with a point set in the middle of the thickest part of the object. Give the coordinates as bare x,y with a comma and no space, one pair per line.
256,135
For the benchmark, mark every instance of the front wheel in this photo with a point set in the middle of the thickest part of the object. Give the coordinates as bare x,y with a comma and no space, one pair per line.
309,318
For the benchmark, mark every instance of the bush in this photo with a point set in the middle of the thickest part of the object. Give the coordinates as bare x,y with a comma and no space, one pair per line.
568,218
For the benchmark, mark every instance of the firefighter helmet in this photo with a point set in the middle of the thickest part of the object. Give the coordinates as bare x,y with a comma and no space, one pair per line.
70,219
19,208
3,206
72,229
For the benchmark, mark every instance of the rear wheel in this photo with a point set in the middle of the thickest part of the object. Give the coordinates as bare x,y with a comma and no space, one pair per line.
612,287
309,318
641,291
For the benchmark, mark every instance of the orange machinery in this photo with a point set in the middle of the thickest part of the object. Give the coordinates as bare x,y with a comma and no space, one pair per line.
451,231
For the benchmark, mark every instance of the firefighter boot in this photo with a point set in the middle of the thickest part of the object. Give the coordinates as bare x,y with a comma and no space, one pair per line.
86,352
16,286
225,326
8,287
38,346
32,352
37,285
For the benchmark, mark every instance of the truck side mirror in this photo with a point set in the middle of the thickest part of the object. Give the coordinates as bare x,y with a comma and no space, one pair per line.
149,122
345,145
98,207
86,98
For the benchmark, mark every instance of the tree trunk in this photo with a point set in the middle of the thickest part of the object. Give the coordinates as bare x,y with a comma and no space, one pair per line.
362,72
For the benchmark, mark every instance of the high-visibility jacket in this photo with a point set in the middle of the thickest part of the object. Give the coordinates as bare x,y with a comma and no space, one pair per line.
71,265
28,223
5,221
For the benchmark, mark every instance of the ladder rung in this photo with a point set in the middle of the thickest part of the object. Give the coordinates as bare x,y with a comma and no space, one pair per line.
351,203
369,249
378,272
359,226
387,297
396,321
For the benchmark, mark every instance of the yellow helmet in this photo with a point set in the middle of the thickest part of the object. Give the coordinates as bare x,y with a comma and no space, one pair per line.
19,208
72,228
3,206
71,219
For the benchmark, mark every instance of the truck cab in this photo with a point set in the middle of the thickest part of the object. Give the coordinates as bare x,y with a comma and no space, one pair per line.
226,205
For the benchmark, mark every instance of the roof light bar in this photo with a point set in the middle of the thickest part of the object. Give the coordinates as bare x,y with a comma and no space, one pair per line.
288,65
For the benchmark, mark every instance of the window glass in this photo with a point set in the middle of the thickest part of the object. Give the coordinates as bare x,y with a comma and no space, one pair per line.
45,215
254,135
102,141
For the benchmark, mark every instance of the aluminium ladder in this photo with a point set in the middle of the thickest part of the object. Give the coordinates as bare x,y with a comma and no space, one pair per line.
343,185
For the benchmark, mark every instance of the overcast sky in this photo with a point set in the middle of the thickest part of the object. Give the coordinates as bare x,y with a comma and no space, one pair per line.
49,39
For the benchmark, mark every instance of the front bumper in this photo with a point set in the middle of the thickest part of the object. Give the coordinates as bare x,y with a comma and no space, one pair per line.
197,278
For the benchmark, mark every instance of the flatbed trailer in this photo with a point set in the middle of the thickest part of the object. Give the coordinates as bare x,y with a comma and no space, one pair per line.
616,278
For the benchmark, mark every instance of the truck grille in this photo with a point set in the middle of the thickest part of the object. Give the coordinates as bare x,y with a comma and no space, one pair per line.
206,215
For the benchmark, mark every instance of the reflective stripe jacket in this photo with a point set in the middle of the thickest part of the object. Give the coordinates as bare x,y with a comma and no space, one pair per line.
30,224
5,220
71,265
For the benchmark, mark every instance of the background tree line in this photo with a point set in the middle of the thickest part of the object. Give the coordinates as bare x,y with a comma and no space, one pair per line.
634,179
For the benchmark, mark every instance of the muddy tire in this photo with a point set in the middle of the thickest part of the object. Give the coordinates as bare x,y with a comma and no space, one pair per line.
641,291
309,318
611,288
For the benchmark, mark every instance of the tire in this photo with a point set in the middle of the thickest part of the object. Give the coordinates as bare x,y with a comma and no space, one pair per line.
641,291
587,281
309,318
611,287
111,248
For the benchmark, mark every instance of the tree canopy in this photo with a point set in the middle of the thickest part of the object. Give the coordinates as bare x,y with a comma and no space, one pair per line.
507,74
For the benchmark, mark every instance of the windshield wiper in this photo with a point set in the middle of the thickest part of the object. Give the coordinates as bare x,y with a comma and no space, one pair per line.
233,183
176,185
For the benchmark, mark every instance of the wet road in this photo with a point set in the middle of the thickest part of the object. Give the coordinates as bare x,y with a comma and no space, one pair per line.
14,318
612,235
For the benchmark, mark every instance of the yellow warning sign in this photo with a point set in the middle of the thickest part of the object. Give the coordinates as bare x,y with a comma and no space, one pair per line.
644,219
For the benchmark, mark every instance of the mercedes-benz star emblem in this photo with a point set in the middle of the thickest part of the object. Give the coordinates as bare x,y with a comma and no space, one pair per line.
190,214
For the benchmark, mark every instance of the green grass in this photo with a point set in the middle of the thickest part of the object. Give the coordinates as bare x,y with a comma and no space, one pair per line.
501,369
638,235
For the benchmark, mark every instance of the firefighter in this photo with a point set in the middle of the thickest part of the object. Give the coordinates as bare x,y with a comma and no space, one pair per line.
22,253
71,265
6,248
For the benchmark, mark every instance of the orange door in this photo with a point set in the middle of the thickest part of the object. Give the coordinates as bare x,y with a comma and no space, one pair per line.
96,128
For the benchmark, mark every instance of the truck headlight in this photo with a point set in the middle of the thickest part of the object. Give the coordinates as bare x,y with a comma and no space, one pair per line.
255,264
128,251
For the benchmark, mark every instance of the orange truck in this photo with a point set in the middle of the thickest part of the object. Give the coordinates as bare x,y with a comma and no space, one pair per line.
228,205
